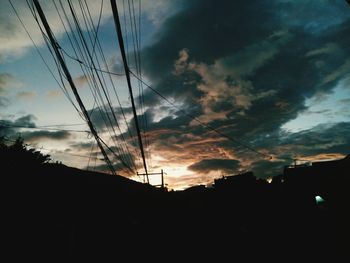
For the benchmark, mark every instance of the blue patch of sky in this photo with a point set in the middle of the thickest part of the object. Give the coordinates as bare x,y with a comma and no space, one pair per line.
30,70
333,108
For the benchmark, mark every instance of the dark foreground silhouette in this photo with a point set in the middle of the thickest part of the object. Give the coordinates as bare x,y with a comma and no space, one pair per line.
55,213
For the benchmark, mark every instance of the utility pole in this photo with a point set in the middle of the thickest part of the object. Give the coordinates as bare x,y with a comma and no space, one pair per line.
127,74
162,184
162,178
71,83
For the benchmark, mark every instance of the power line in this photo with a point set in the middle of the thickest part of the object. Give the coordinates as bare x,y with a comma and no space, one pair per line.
112,82
117,156
89,67
90,24
101,79
127,73
98,23
136,40
70,80
95,85
63,88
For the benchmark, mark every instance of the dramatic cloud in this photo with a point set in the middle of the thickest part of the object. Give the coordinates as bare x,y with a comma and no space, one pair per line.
85,146
10,128
45,135
26,121
207,165
247,77
15,128
244,68
257,61
324,138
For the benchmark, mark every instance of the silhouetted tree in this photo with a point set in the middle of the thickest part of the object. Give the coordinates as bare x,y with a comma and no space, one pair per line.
19,154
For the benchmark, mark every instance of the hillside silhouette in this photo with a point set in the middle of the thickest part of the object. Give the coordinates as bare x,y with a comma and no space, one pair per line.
55,213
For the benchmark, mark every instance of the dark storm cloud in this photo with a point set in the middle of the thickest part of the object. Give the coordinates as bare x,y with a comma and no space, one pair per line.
40,135
85,146
207,165
11,128
176,121
291,57
246,68
331,138
287,60
14,128
26,121
207,39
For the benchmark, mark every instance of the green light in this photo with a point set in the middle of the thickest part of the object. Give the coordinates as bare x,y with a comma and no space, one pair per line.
319,199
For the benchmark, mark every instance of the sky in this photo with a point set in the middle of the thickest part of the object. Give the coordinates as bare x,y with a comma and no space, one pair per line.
272,77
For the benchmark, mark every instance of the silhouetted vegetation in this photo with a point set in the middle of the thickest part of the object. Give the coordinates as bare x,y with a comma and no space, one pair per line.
56,213
18,153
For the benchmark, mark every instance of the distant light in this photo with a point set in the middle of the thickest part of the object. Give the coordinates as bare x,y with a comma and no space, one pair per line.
319,199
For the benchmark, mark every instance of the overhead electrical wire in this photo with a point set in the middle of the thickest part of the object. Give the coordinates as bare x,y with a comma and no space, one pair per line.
109,75
77,50
70,80
110,78
132,27
127,73
135,27
83,50
62,87
101,79
88,52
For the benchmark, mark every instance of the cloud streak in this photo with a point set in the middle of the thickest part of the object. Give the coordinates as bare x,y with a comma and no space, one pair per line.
208,165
